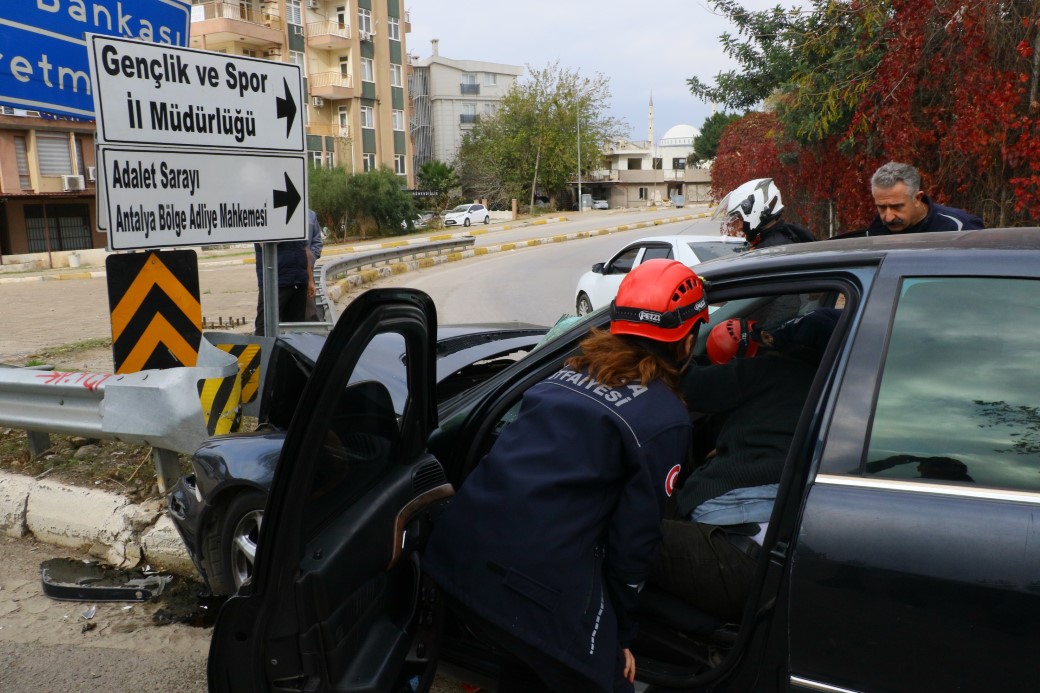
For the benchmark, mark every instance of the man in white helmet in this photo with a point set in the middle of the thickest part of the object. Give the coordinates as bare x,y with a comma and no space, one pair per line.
756,206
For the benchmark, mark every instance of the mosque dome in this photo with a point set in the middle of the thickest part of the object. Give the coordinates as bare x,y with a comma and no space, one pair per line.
679,136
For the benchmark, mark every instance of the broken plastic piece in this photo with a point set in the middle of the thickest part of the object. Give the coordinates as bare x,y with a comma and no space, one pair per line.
89,613
72,580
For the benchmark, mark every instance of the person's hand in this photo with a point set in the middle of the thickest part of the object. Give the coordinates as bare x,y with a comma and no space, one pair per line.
630,666
311,291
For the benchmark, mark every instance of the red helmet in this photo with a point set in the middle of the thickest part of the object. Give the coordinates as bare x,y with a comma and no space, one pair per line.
731,338
659,299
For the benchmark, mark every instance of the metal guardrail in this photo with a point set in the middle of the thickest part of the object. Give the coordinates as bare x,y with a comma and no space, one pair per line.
337,268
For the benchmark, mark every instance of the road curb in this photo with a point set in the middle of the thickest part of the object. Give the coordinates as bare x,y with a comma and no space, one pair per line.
106,524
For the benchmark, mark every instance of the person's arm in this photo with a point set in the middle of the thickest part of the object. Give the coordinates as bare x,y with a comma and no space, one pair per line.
316,242
311,289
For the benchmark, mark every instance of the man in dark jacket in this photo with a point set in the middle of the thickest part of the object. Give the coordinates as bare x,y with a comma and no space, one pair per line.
295,282
904,208
755,207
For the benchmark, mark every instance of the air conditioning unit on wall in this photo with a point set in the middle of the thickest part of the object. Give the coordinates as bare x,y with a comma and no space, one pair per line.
364,35
72,183
317,101
92,173
273,52
313,4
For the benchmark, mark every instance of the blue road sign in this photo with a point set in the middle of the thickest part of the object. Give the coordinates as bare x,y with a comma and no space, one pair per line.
44,62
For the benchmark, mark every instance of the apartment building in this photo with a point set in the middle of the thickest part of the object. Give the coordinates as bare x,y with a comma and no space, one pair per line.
352,56
448,97
47,186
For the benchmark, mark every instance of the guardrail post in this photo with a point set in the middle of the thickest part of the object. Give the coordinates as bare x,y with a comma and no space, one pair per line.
39,442
167,469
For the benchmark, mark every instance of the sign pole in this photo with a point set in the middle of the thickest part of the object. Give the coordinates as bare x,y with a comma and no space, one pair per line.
270,279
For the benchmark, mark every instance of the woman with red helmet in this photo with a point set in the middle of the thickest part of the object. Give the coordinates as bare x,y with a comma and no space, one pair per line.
544,547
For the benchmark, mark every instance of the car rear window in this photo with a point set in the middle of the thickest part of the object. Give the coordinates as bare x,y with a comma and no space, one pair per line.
959,400
710,251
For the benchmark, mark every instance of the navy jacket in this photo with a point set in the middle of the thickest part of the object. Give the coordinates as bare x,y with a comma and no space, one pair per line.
781,233
570,496
292,263
939,218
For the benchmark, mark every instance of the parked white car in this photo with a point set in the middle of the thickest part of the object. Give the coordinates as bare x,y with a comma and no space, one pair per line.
599,286
600,204
464,215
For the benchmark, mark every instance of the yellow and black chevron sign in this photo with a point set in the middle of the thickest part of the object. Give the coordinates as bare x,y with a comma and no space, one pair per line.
156,313
248,356
221,404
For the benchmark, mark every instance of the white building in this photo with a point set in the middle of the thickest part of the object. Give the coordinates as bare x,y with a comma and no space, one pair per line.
449,97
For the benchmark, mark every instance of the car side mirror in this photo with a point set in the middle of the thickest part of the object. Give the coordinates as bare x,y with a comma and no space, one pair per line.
598,268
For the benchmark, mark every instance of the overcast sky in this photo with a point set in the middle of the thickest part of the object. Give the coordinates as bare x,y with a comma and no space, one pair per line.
641,46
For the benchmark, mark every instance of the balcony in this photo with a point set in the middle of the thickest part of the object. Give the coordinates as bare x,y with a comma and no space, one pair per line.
328,36
331,85
215,23
328,130
469,89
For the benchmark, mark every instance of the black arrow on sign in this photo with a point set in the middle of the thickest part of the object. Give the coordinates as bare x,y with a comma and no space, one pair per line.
286,108
288,198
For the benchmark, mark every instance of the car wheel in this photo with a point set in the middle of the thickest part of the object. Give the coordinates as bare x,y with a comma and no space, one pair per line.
584,305
231,543
466,223
487,219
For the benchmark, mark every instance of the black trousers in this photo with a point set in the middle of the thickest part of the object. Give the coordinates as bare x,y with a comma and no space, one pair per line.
292,306
700,565
526,669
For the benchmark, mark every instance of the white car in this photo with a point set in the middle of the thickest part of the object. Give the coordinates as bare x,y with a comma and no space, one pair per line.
600,204
464,215
599,286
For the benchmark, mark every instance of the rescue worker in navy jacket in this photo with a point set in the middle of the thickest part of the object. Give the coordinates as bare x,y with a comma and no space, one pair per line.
547,543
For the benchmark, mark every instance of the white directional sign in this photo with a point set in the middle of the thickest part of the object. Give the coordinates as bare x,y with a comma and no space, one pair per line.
151,94
173,198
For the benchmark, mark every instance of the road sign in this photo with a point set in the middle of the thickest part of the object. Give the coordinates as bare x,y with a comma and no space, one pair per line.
169,198
160,95
43,56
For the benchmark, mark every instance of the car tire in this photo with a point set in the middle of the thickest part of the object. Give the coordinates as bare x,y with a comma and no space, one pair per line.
231,540
583,305
466,223
487,219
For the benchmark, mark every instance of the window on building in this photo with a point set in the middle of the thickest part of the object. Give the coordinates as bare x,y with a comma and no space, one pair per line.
679,163
341,16
657,163
635,164
938,421
364,20
330,159
399,165
396,75
296,58
469,78
469,113
368,70
393,28
81,166
344,66
316,158
293,12
368,117
57,227
397,117
368,162
249,52
21,152
54,154
644,193
343,113
490,79
489,109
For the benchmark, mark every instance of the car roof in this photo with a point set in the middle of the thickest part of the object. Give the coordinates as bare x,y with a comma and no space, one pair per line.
688,238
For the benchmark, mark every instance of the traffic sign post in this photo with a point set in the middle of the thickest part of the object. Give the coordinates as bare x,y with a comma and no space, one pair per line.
43,54
159,95
176,198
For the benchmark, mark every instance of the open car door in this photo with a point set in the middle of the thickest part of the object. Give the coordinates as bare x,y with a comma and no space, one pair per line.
337,596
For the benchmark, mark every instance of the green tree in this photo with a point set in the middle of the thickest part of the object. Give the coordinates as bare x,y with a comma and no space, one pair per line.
706,144
378,202
439,178
327,196
531,143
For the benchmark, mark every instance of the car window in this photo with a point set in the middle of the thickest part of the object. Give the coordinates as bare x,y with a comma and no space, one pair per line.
460,208
960,391
478,208
710,251
658,251
623,263
362,435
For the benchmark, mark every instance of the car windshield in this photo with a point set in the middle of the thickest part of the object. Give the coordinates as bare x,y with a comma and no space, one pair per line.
460,208
710,251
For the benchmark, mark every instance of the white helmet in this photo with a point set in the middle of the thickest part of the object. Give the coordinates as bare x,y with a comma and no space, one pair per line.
757,202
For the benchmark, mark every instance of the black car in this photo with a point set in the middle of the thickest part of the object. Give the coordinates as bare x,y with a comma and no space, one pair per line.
902,550
219,508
